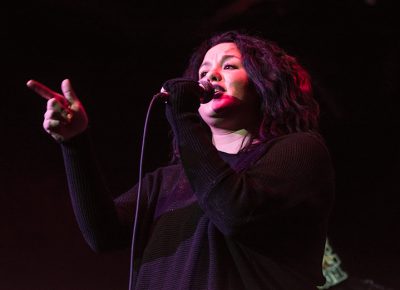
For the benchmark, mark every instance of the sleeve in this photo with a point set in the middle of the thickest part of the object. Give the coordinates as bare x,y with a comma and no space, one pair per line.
101,223
295,172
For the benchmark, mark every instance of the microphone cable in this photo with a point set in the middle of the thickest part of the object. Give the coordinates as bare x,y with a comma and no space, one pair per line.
209,91
131,265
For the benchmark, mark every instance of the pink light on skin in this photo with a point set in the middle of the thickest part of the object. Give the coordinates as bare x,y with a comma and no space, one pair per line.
235,105
234,111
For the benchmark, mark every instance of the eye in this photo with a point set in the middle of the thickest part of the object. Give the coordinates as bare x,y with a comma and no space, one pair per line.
202,74
230,66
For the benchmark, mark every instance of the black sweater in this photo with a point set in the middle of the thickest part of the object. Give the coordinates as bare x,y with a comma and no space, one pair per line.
254,220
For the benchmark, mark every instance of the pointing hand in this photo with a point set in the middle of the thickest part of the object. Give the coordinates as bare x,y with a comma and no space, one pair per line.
65,116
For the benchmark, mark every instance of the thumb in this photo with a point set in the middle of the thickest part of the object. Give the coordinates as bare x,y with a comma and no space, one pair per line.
68,91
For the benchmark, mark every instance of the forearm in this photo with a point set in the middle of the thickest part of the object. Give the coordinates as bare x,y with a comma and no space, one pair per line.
92,203
295,172
219,188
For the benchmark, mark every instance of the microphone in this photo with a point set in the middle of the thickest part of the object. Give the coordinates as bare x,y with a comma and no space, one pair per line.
207,93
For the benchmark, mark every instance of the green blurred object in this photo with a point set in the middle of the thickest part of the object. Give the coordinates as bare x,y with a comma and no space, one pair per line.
331,269
337,279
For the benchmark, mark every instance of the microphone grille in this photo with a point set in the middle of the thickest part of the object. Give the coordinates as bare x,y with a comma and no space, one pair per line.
208,89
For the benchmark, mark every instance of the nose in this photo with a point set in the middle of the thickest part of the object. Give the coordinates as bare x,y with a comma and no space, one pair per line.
213,75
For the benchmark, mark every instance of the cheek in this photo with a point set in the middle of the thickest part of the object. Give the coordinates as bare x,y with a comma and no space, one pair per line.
238,87
247,96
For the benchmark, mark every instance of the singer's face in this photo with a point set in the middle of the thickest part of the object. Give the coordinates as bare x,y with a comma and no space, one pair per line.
235,105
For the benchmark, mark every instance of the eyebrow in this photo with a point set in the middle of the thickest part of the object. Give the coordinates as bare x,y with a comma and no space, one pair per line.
224,58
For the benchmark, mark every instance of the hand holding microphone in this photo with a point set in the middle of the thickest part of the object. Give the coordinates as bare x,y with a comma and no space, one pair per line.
183,97
186,94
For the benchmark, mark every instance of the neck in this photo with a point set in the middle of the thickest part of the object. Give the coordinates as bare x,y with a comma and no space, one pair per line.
230,141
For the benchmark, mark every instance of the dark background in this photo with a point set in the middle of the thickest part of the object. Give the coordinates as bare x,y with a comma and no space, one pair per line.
117,55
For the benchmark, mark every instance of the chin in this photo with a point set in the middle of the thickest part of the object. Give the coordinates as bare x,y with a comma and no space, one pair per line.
210,112
219,106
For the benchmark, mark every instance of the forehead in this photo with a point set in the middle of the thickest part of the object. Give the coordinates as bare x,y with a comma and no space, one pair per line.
221,49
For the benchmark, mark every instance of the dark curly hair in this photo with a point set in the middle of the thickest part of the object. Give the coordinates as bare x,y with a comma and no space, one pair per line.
284,86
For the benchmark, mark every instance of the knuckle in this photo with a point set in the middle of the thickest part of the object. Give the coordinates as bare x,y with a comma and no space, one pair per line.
52,103
51,114
46,124
48,114
50,124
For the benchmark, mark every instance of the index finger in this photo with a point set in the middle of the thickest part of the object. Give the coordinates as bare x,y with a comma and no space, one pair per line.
41,89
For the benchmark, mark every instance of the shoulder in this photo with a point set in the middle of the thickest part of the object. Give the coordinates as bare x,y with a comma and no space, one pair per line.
305,138
303,149
153,181
164,174
303,141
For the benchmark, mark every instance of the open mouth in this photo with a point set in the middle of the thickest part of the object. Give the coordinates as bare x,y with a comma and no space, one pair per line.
218,91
